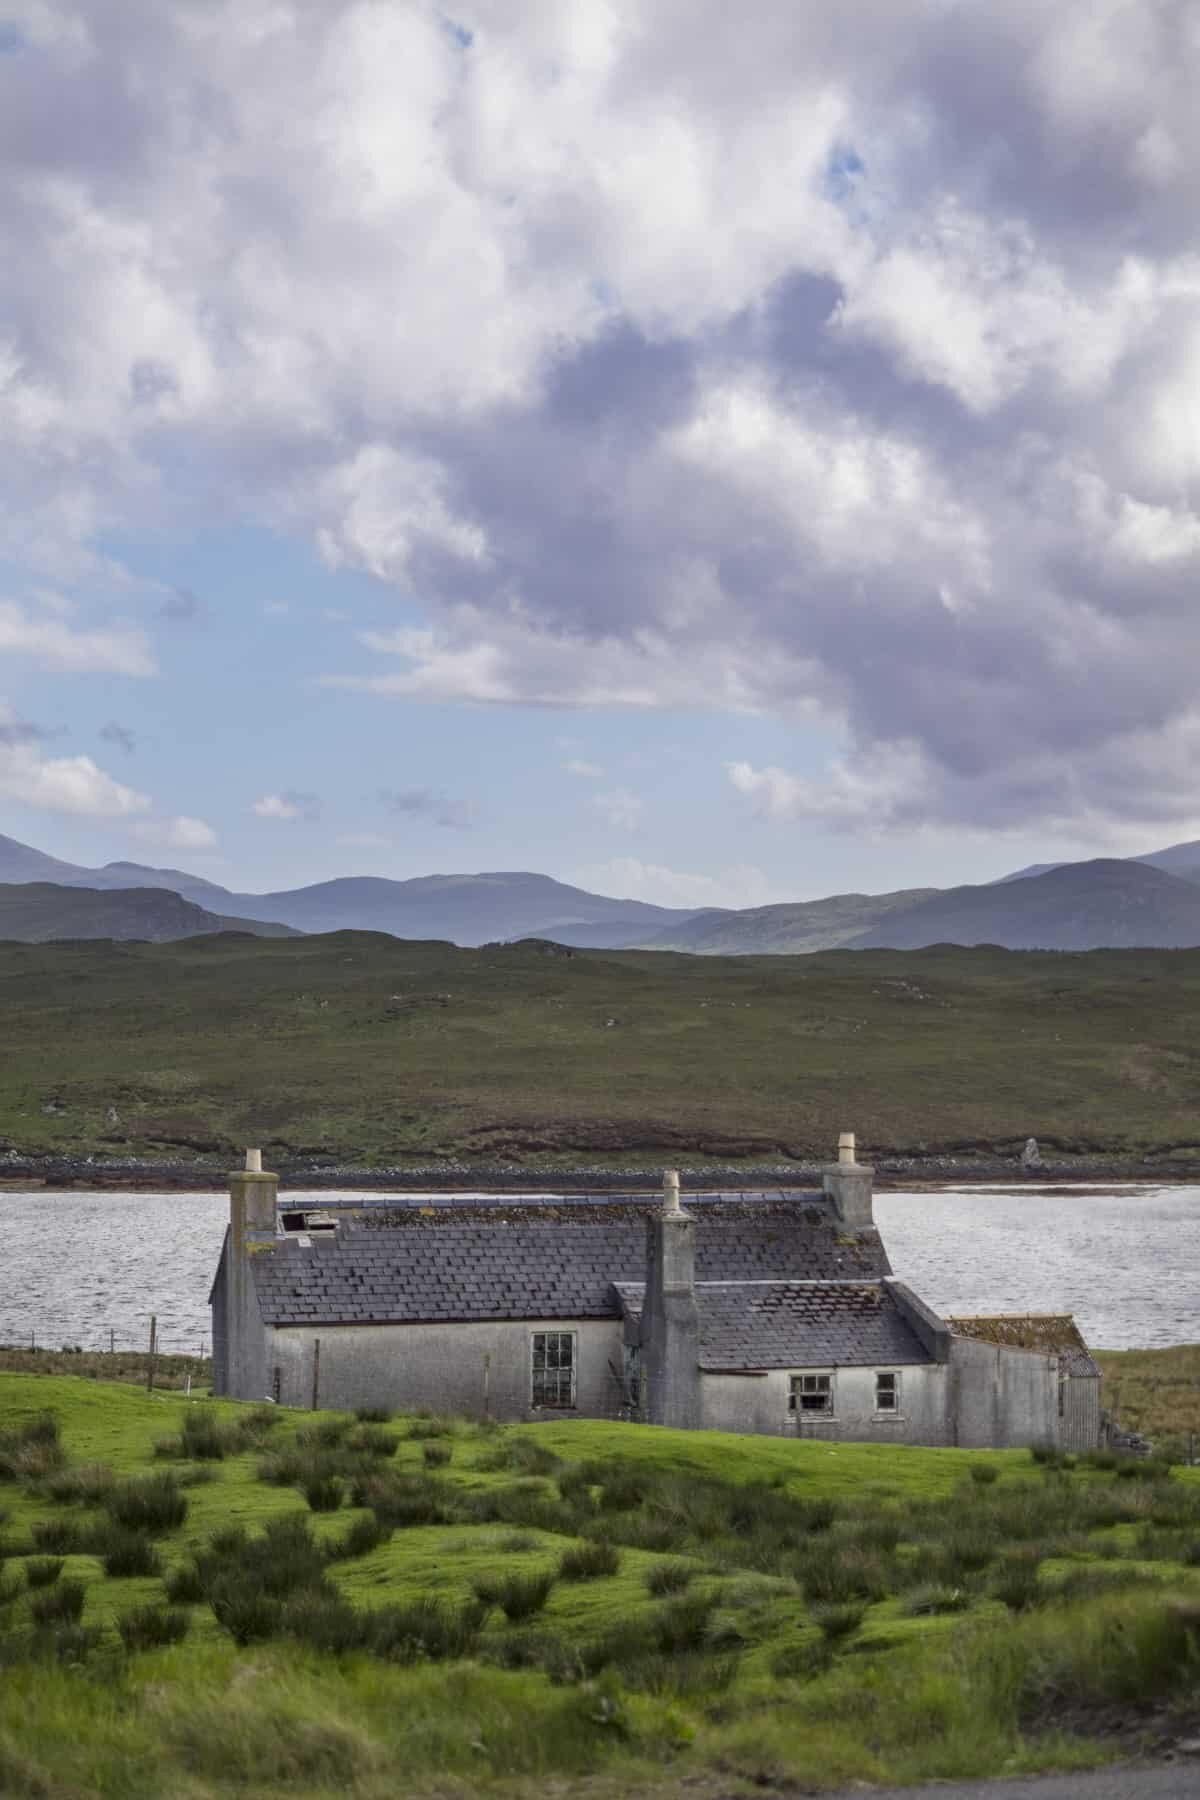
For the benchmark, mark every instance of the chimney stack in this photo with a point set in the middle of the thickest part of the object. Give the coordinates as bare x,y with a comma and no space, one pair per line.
670,1324
240,1353
849,1184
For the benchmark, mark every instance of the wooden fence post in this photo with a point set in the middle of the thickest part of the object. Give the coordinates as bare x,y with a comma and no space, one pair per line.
153,1352
316,1387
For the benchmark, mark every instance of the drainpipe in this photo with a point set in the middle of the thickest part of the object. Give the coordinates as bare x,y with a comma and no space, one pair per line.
670,1322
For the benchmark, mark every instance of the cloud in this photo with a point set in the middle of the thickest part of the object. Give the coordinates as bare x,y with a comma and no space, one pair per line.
52,642
66,784
120,735
839,368
290,806
427,803
587,771
15,730
630,878
179,833
182,607
365,840
620,808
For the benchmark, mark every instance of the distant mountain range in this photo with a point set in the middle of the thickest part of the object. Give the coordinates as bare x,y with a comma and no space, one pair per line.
786,929
1079,906
1153,900
42,912
467,909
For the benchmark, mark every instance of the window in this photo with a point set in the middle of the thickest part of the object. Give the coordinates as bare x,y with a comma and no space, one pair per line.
553,1355
887,1392
811,1394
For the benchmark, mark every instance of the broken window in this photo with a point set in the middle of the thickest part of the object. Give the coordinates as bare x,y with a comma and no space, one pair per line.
887,1392
810,1394
553,1355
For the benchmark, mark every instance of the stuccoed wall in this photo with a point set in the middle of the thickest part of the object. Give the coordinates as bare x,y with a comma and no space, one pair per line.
442,1366
759,1403
1003,1398
239,1337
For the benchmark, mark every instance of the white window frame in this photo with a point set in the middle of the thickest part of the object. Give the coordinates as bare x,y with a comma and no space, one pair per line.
796,1390
558,1403
893,1411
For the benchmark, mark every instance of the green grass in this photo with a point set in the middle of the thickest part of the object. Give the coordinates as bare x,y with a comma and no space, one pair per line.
317,1653
1156,1392
376,1050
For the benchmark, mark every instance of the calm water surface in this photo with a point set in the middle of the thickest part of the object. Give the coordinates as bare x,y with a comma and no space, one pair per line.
1125,1261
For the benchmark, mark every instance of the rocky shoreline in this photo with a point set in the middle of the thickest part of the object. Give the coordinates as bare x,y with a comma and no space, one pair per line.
204,1173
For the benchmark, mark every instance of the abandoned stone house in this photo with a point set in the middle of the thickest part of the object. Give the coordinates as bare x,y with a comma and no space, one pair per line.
755,1312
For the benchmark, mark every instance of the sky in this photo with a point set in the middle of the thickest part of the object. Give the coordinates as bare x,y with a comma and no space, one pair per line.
711,454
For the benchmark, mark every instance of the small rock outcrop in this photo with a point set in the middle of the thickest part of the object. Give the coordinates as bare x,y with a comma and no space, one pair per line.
1031,1156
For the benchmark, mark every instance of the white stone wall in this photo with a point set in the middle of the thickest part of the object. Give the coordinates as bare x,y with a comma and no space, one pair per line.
442,1366
759,1403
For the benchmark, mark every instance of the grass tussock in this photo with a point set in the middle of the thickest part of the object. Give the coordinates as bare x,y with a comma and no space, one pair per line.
823,1619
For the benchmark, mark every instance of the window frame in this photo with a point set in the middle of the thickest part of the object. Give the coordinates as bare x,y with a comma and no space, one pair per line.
894,1410
796,1392
558,1403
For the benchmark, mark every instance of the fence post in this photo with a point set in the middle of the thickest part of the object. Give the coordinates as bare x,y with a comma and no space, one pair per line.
111,1340
153,1352
316,1387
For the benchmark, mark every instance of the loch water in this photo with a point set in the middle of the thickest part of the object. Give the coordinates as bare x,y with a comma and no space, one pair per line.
77,1267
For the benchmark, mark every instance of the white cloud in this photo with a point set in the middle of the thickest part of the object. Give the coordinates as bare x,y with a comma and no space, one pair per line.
290,806
52,643
628,877
66,784
190,834
365,840
587,771
179,833
619,808
659,361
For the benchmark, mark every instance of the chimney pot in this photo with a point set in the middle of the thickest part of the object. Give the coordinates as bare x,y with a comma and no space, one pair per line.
254,1162
671,1192
846,1147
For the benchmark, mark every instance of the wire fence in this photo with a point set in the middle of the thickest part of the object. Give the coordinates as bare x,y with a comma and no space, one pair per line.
105,1342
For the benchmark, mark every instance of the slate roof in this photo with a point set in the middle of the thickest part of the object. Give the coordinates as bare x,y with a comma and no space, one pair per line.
1055,1334
795,1324
419,1264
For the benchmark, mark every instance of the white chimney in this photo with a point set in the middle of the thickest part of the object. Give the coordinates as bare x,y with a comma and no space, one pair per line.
254,1162
846,1147
670,1183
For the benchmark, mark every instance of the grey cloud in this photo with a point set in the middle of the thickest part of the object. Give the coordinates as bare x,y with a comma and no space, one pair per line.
120,735
429,804
891,423
15,730
182,607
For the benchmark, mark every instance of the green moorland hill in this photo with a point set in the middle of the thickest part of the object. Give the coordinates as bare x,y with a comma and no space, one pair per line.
378,1050
39,912
210,1599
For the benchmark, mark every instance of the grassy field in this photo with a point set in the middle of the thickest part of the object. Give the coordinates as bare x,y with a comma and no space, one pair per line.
205,1599
1156,1392
366,1048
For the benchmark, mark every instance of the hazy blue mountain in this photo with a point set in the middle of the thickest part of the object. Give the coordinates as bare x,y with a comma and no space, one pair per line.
468,909
41,912
1178,859
786,928
1104,904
